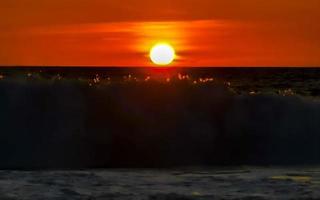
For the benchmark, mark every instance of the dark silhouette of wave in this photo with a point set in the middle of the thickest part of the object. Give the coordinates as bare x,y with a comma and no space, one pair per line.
68,124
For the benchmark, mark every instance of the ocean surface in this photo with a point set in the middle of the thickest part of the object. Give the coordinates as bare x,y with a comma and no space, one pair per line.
235,183
299,81
149,117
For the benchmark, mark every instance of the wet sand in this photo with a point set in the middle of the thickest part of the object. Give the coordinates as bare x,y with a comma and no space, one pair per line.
170,184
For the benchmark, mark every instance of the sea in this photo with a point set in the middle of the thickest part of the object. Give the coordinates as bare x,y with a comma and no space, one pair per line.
89,117
159,133
300,81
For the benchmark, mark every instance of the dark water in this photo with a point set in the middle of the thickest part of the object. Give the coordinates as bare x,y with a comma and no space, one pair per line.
231,183
138,117
300,81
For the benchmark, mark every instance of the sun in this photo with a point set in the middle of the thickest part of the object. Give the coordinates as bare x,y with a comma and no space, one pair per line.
162,54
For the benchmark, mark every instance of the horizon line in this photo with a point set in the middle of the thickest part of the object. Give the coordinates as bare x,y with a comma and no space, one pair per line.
151,67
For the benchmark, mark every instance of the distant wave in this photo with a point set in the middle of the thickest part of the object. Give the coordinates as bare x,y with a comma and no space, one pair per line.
67,124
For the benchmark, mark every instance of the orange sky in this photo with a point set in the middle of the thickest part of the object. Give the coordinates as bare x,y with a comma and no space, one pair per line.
120,33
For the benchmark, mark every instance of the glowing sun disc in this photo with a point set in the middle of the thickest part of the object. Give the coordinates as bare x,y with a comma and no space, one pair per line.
162,54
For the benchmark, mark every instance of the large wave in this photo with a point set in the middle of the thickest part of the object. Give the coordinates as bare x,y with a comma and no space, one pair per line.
68,124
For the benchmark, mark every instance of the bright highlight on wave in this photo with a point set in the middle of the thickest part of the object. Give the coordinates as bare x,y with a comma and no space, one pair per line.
162,54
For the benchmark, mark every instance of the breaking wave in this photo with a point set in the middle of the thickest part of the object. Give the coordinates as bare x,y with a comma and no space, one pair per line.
67,124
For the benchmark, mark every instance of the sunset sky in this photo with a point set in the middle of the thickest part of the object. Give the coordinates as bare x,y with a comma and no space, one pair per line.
121,32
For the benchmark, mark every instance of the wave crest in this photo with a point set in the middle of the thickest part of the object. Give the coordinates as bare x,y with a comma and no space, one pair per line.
71,125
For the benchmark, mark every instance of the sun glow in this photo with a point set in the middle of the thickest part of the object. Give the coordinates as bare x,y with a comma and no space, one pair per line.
162,54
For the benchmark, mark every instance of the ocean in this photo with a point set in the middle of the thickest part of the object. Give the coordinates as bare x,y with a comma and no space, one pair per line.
71,118
159,133
300,81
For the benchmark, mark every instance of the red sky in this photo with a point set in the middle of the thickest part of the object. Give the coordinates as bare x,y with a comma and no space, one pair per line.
120,33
